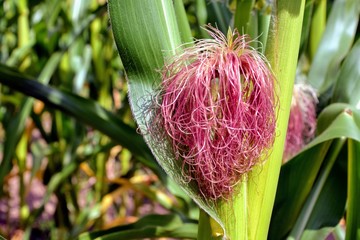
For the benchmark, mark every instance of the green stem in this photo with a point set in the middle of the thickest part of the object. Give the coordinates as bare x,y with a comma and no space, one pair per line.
263,24
21,152
235,221
219,15
247,216
205,229
100,186
353,208
309,205
282,52
253,30
23,30
201,14
183,23
318,24
242,15
23,22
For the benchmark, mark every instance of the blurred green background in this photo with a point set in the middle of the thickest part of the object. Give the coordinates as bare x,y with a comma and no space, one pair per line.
60,175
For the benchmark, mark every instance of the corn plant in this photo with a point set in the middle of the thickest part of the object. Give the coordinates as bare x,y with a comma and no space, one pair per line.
210,87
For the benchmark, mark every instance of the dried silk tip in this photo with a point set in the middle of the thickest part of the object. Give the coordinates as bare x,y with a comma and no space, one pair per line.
217,107
302,120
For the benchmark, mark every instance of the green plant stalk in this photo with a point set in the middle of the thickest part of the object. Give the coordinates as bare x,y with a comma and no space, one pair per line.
201,14
353,208
23,30
304,42
228,211
242,15
97,52
21,151
309,205
263,25
183,23
23,22
100,186
207,229
253,29
252,208
102,78
318,24
282,52
247,215
221,19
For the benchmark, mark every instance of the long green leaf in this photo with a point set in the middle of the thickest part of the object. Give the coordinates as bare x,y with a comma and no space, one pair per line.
219,15
335,43
150,226
347,87
305,31
242,15
318,23
184,26
298,175
330,204
314,195
187,231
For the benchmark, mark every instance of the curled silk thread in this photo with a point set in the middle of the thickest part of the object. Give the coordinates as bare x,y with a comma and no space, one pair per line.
216,106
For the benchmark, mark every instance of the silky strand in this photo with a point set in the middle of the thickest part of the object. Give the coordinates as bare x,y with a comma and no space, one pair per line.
216,106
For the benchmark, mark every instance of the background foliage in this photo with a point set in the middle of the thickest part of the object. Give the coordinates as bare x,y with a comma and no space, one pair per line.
72,164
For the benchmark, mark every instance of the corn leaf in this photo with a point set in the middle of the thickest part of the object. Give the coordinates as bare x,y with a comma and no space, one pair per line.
150,226
329,205
335,44
146,32
298,176
347,87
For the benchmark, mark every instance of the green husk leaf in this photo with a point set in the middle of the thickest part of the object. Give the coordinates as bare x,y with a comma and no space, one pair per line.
146,32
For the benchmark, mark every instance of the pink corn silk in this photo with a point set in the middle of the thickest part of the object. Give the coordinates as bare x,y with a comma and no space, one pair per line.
218,111
302,120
